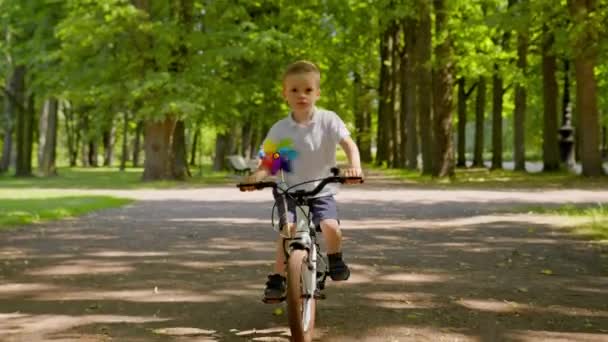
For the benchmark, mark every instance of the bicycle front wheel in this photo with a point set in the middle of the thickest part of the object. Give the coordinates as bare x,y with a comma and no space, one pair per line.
300,306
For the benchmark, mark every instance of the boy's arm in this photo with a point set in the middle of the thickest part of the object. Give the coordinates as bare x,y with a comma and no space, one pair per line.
352,153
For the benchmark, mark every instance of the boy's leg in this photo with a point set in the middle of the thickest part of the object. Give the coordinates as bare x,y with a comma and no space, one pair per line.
325,213
332,235
276,284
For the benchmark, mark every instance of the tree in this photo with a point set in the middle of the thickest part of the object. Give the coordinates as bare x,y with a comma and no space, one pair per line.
48,138
442,96
425,86
550,98
585,46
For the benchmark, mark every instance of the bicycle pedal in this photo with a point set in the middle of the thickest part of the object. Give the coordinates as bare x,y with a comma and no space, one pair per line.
273,300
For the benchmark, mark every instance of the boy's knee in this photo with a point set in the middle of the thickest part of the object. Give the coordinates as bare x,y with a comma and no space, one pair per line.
330,224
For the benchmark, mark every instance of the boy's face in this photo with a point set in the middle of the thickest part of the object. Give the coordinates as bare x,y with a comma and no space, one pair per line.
301,91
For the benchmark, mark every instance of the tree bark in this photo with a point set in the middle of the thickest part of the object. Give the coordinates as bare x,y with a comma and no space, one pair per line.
72,132
497,102
394,125
179,161
125,141
137,142
550,98
382,144
194,148
519,115
409,96
586,88
443,101
462,123
480,106
13,106
222,149
48,138
246,135
25,139
425,86
108,145
157,145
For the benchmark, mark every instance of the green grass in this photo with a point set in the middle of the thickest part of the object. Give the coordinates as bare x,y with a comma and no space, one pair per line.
485,178
36,209
110,178
596,217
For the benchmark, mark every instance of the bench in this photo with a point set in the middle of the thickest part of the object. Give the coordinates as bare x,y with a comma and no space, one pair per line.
239,164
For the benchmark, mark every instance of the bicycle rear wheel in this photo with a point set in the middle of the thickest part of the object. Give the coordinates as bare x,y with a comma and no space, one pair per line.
300,308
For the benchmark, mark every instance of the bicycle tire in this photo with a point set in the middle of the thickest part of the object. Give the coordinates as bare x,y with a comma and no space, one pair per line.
296,300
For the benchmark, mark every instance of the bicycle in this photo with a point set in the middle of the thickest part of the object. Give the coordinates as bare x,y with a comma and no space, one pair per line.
306,267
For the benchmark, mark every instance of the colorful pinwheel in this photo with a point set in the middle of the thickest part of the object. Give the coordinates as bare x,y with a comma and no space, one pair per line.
277,157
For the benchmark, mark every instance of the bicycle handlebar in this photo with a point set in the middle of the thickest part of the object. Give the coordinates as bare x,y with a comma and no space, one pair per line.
302,193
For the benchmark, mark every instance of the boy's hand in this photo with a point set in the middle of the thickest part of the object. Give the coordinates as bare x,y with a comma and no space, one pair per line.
352,172
255,177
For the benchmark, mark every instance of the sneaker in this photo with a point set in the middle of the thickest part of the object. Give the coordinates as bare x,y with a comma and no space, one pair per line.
275,289
338,270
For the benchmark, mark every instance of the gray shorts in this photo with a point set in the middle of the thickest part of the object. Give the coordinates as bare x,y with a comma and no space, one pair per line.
321,208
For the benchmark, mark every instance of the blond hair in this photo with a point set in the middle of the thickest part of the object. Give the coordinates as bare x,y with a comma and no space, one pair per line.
301,67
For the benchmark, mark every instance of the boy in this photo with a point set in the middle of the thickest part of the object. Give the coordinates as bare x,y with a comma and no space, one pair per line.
314,133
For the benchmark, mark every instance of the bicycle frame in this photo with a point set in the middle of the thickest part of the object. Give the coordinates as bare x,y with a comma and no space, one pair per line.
304,238
306,267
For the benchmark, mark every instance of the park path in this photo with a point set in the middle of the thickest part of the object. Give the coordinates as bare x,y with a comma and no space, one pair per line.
190,265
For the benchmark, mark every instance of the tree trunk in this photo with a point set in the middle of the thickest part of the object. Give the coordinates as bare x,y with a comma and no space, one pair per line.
48,138
222,150
519,115
425,86
480,106
409,96
125,141
256,140
361,110
246,134
108,145
194,148
497,98
137,142
25,139
586,88
462,123
157,146
383,99
395,125
72,132
180,166
550,97
84,127
443,102
92,156
13,106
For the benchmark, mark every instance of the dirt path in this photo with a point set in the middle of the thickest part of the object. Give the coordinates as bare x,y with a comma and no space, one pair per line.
189,265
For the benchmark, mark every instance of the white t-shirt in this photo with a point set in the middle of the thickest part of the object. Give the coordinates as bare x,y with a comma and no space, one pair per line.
315,144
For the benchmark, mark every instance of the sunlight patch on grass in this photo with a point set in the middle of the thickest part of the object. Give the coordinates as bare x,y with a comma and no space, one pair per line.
112,178
596,218
34,210
483,177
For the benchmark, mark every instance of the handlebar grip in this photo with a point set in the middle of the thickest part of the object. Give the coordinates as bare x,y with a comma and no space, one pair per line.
255,186
352,180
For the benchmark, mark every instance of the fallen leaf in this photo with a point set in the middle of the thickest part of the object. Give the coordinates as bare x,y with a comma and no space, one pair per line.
546,272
